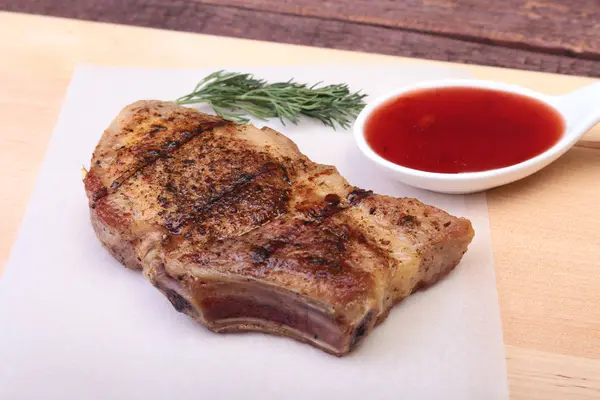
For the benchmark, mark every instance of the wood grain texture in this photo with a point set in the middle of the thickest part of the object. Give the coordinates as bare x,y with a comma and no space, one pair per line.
539,375
544,229
554,26
330,24
547,294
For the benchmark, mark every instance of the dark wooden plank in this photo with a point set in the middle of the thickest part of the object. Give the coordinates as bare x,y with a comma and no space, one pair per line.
271,26
558,26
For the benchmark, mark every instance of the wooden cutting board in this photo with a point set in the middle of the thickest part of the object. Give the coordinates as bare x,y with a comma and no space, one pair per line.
544,229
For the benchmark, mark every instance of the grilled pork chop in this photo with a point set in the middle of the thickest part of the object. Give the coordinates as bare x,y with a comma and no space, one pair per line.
242,232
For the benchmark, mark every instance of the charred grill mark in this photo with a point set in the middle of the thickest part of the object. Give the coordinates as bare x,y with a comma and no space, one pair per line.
358,195
169,146
274,245
317,261
94,187
170,187
327,246
286,177
285,195
157,128
310,252
187,135
322,262
163,201
100,193
350,235
331,207
200,206
152,155
233,198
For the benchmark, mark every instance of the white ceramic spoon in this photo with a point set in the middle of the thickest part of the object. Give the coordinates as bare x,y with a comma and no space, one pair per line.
580,109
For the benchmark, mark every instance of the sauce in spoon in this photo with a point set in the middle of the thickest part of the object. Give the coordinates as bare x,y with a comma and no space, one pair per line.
462,129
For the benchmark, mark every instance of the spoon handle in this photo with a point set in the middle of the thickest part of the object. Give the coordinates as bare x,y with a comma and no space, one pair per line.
581,110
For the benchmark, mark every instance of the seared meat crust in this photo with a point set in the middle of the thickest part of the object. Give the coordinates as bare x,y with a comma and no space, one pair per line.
243,232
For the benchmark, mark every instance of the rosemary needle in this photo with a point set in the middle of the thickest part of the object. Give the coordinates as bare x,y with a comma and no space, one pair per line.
235,95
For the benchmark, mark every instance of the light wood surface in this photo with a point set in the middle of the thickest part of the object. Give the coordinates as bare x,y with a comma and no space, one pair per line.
540,35
545,229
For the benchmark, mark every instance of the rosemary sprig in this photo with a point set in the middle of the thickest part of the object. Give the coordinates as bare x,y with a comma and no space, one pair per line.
234,95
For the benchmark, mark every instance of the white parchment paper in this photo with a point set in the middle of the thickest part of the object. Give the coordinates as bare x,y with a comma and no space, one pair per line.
75,324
